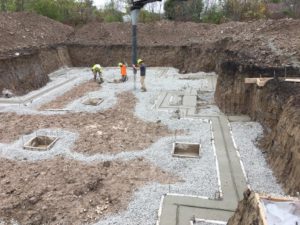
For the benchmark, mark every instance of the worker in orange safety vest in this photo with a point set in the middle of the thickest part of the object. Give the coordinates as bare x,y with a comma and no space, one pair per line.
123,68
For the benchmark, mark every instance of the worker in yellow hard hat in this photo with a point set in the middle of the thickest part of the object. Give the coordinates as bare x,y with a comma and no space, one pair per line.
123,68
142,66
97,69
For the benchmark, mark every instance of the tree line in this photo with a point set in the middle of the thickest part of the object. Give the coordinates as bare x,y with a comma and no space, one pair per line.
217,11
76,12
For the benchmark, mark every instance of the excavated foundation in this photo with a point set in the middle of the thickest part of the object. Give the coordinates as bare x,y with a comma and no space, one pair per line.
271,105
235,51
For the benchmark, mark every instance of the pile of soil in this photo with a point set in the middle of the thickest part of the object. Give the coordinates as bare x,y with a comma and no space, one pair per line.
61,191
112,131
28,30
71,95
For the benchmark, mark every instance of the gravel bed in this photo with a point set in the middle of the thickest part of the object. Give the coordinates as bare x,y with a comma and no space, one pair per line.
260,176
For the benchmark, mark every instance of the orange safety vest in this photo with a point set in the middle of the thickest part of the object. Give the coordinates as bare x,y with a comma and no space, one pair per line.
123,70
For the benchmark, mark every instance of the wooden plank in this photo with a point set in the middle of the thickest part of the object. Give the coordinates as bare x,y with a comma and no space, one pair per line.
262,81
292,80
250,80
261,209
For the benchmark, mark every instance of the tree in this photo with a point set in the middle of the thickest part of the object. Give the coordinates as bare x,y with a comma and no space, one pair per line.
213,14
244,9
183,10
111,13
19,5
3,5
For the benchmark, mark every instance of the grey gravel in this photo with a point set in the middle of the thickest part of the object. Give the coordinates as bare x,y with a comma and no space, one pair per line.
260,176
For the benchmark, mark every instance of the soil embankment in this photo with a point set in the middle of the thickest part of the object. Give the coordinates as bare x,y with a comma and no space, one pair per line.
234,50
29,50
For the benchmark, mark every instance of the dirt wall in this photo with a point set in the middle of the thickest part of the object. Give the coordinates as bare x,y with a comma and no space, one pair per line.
29,70
282,145
110,55
276,106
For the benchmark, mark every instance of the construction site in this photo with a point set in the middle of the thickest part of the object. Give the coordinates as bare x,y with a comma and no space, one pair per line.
215,139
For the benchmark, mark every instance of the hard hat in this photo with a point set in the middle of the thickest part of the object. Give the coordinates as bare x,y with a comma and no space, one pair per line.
139,61
120,64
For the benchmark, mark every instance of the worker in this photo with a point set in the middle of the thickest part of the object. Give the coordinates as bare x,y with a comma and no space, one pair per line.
142,66
123,71
97,69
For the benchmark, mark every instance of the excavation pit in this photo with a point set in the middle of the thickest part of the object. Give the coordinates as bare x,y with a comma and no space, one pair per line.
188,150
40,143
92,101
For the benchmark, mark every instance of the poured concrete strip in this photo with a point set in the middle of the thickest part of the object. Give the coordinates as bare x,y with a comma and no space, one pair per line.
189,101
179,210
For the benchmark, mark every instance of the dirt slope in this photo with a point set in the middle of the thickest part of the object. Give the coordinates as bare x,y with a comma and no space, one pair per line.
263,42
28,30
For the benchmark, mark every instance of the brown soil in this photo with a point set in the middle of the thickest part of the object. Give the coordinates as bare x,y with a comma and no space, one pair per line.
111,131
62,191
247,212
28,30
259,42
283,147
71,95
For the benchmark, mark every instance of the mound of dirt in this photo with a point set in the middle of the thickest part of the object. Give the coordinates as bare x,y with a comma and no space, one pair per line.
27,30
62,191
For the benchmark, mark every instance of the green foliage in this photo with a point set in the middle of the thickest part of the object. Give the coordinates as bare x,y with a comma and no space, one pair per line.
183,10
244,10
47,8
146,16
213,15
73,12
110,13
